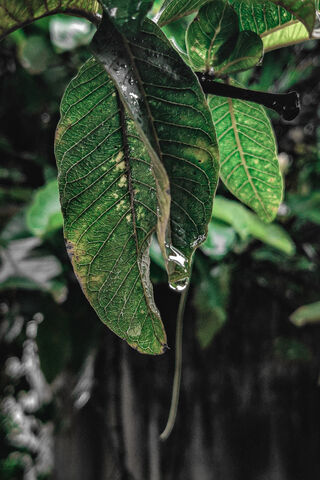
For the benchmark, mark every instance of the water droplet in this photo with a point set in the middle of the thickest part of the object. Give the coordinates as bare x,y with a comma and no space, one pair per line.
178,269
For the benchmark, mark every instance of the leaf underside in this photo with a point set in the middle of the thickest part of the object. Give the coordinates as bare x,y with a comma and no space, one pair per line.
109,203
249,162
15,14
164,97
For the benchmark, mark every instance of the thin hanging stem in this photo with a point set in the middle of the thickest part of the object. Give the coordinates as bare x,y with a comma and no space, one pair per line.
177,369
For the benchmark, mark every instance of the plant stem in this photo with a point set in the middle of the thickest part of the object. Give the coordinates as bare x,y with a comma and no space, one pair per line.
177,369
285,104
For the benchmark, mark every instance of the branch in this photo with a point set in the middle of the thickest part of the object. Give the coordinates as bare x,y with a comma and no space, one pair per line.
285,104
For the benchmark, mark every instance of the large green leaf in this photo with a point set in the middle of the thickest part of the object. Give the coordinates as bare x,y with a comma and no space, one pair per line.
17,13
249,162
214,41
167,103
275,25
126,15
175,9
109,203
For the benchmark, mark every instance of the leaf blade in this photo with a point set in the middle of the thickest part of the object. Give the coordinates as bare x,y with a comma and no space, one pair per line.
109,205
249,163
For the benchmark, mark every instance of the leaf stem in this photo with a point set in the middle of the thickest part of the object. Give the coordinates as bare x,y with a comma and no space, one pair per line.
285,104
177,368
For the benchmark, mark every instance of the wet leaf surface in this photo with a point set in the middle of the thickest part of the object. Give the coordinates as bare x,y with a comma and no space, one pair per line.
109,203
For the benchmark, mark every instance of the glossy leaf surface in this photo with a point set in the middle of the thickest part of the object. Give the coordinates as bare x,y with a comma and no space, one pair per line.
109,203
249,162
214,41
174,9
276,26
126,15
165,99
17,13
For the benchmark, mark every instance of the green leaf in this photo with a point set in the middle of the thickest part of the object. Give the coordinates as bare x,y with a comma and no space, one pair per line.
215,25
306,314
109,203
275,25
174,9
18,13
214,41
247,225
127,16
249,162
167,103
303,10
44,214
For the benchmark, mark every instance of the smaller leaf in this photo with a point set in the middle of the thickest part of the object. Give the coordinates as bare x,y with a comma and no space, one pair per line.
127,16
306,314
44,214
214,41
249,162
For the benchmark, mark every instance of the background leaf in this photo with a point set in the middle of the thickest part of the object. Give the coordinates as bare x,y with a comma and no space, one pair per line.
249,162
16,13
44,213
247,225
168,105
109,204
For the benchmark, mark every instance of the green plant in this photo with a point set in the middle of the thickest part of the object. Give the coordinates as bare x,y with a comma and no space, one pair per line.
137,143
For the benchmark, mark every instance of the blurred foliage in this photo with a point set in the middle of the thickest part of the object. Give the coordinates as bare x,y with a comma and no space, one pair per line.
46,320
